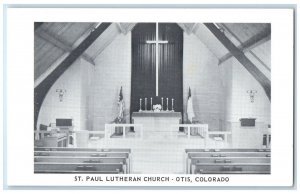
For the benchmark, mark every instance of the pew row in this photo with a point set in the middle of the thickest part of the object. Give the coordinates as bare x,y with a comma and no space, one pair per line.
82,149
98,168
82,160
228,161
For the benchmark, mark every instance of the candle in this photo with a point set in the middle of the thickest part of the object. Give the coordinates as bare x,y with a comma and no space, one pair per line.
172,104
151,103
145,103
162,103
167,104
140,104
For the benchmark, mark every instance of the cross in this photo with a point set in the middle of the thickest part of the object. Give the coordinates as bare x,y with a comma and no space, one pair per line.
156,42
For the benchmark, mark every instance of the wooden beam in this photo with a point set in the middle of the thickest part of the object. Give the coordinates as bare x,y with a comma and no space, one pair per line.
121,28
37,25
241,57
248,45
251,43
60,44
42,89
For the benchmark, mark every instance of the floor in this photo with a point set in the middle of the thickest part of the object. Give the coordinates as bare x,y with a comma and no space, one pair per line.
157,153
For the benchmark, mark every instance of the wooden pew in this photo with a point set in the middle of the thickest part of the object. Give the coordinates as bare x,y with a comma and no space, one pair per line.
81,154
214,161
86,159
99,168
227,160
241,168
229,154
56,159
82,149
228,150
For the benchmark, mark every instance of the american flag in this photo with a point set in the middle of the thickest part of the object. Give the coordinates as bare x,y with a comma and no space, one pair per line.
190,109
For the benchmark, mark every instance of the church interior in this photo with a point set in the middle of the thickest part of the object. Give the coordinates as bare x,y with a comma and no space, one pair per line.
152,98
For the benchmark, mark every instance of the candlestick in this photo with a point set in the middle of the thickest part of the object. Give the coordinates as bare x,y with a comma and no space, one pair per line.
162,103
140,105
151,103
167,104
145,103
172,104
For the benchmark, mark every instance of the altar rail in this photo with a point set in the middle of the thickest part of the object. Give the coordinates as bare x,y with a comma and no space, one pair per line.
201,129
110,129
225,134
62,138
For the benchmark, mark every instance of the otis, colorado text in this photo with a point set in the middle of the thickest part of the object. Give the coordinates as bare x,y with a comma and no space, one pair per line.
151,179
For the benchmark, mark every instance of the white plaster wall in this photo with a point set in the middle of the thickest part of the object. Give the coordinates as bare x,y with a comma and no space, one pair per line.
201,73
237,80
75,81
112,70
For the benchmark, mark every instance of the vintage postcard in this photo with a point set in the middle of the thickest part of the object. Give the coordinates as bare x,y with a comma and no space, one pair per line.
137,96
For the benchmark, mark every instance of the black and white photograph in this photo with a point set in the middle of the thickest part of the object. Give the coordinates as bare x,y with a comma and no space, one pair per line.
152,98
149,97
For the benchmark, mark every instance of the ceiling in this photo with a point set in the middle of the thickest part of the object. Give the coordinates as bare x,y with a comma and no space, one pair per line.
53,42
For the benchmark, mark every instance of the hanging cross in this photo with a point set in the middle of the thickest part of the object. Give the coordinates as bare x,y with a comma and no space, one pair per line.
156,42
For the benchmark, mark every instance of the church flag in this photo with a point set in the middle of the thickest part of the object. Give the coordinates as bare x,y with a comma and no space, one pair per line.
121,105
190,109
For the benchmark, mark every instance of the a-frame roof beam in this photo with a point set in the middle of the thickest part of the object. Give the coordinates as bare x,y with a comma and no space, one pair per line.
241,57
42,89
60,44
251,43
37,25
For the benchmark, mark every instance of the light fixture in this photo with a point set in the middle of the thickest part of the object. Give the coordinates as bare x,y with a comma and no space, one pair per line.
251,94
61,93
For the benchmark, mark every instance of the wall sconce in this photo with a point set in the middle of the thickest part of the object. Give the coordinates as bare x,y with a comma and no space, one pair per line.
61,93
251,94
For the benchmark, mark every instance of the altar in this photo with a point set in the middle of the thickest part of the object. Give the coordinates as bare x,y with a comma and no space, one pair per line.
157,124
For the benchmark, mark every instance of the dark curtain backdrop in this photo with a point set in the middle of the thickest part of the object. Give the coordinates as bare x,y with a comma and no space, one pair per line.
144,68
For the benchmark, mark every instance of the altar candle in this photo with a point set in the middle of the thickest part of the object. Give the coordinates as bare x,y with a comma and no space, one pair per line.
151,103
167,103
140,104
145,103
162,103
172,103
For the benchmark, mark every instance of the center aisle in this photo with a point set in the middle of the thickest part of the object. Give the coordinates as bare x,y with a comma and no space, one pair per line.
156,156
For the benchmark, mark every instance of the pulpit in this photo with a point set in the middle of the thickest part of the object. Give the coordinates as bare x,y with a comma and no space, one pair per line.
157,124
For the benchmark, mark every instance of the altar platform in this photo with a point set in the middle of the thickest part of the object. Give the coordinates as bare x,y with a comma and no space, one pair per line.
158,124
